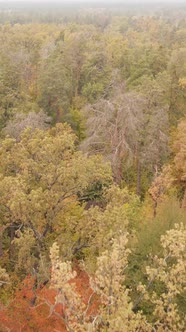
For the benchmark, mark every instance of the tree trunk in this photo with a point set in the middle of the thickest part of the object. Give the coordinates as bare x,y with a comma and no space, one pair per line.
138,178
1,245
76,92
155,208
183,204
11,247
58,114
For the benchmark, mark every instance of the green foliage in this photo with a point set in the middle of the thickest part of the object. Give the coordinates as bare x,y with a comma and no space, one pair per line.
77,123
24,245
119,82
41,176
146,244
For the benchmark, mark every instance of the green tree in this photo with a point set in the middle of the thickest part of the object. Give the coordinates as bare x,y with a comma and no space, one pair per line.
40,176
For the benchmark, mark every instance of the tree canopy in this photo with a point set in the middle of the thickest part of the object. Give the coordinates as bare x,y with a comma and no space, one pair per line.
92,168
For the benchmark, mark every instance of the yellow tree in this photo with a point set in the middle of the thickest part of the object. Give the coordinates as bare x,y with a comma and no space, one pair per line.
40,176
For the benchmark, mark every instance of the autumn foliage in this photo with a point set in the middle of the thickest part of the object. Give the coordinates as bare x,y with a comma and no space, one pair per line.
92,168
35,309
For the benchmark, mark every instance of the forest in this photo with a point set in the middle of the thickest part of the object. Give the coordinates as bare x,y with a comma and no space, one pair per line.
92,168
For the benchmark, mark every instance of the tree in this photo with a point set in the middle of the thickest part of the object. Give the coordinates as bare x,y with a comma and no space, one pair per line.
179,162
96,71
177,70
55,85
62,281
160,186
171,272
15,126
113,127
126,129
41,176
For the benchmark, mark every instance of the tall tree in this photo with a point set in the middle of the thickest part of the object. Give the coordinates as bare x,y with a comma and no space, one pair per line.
113,127
40,176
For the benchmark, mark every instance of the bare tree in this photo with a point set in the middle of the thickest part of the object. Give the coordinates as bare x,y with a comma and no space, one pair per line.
20,121
127,127
113,128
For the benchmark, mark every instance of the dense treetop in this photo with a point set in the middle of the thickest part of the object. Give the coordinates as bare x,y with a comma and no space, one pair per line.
92,169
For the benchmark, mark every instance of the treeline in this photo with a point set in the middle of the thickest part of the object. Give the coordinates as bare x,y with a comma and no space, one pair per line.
130,75
99,13
93,173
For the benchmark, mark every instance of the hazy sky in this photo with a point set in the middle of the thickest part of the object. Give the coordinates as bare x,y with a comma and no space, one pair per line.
96,1
87,1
